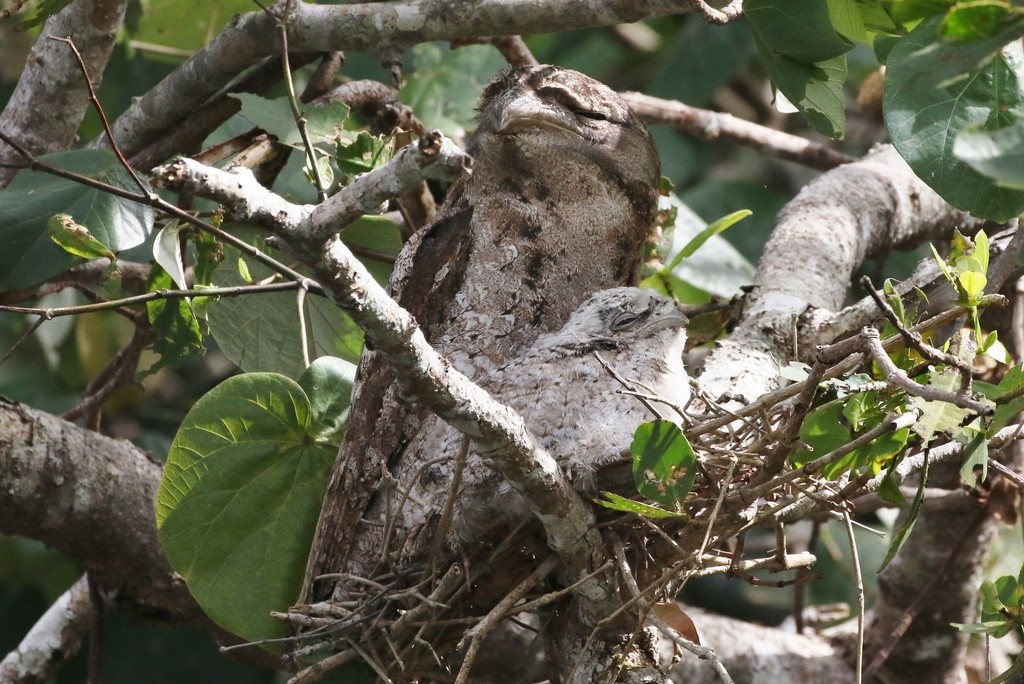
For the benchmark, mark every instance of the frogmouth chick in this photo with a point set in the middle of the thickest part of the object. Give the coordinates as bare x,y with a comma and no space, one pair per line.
570,401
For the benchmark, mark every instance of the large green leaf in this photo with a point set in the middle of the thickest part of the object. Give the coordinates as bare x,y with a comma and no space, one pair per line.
29,255
323,122
183,26
816,90
664,464
999,155
443,85
802,30
935,90
804,54
260,332
240,496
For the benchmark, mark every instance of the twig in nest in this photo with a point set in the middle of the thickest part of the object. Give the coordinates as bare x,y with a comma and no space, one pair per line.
702,652
914,339
872,344
496,614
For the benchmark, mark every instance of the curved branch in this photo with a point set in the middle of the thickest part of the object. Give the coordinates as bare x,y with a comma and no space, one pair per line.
366,27
820,238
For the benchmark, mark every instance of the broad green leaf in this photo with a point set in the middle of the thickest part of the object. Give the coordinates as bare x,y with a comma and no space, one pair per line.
718,269
939,416
802,30
620,503
907,524
364,153
324,123
816,90
180,331
29,255
837,423
907,11
976,20
379,236
973,284
328,384
76,239
1013,381
664,464
185,26
714,228
443,85
239,500
847,20
974,469
890,491
41,10
934,90
997,154
260,332
823,431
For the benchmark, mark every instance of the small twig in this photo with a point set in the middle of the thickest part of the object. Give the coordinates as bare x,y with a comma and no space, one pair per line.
790,429
143,187
889,642
915,341
873,346
443,526
24,336
496,614
293,102
372,662
719,16
860,595
515,50
1011,475
714,125
1018,320
629,386
234,291
815,466
151,200
118,373
300,308
702,652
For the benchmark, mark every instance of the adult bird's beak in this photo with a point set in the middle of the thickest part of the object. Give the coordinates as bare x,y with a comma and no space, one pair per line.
527,113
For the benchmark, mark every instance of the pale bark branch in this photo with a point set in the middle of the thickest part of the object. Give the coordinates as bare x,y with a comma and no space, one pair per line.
724,126
820,238
373,27
51,97
52,641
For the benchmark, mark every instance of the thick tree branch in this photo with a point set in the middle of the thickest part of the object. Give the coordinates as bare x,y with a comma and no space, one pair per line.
52,83
820,238
90,497
367,27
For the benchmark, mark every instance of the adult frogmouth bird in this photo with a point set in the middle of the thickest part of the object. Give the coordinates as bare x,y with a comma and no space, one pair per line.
562,195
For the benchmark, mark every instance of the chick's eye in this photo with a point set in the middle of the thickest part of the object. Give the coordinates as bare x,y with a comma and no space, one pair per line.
589,114
624,320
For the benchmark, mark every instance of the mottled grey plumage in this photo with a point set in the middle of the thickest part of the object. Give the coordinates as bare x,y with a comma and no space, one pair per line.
569,401
561,198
